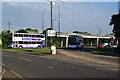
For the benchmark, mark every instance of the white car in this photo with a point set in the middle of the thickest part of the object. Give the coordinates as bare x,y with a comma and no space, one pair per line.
114,45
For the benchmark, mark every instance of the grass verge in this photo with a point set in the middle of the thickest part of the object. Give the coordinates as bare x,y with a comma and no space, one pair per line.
42,50
99,50
105,51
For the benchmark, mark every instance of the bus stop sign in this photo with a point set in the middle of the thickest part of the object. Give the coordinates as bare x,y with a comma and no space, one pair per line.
51,33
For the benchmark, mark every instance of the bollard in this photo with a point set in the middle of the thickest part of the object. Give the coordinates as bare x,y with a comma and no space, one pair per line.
53,50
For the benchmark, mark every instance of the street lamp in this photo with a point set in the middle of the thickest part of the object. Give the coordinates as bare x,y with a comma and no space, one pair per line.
59,20
42,21
51,4
9,25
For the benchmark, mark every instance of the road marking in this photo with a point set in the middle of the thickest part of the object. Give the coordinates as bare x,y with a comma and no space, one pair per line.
17,75
25,59
12,72
50,67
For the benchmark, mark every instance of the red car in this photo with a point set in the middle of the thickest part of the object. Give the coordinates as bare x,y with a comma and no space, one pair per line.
102,46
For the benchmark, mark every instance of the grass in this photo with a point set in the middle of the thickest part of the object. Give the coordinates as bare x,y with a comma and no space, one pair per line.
105,51
42,50
98,50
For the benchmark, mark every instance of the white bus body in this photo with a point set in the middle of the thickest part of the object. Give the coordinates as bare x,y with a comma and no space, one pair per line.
26,40
75,41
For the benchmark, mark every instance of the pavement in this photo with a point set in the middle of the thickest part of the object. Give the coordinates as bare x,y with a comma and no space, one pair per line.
7,73
105,59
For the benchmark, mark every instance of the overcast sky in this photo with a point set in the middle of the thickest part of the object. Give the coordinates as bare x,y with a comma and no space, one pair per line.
80,16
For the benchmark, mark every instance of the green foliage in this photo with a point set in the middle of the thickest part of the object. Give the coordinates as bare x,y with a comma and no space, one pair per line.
31,30
115,21
27,30
82,32
5,38
42,50
44,32
21,31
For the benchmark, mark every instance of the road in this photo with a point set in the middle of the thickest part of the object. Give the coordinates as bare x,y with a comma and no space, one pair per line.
57,66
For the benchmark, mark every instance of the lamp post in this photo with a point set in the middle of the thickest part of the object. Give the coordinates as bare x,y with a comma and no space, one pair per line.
59,20
42,21
9,25
51,5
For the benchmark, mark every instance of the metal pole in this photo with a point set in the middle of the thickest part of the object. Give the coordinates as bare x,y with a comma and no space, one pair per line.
9,24
59,20
51,22
42,20
51,16
46,38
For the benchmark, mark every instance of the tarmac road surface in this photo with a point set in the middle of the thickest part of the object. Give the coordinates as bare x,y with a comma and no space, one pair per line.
57,66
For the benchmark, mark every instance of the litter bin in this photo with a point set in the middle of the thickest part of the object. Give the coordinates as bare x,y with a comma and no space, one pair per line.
53,50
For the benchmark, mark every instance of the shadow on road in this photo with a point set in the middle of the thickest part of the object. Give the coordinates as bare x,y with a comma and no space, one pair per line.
109,52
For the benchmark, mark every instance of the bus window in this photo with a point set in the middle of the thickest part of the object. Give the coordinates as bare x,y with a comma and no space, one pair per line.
30,42
38,36
25,42
20,42
33,35
20,35
25,35
39,42
33,42
29,35
72,43
15,35
41,36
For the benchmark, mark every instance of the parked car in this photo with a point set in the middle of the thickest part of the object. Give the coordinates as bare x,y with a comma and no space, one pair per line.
103,45
114,45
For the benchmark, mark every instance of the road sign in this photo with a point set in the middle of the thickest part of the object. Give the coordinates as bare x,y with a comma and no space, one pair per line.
51,33
0,41
112,40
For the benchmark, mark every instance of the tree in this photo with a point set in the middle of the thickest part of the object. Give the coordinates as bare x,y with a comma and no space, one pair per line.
44,32
81,32
21,31
115,21
5,38
31,30
27,30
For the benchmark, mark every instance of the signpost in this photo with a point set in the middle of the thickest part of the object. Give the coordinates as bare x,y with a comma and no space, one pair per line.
51,33
112,43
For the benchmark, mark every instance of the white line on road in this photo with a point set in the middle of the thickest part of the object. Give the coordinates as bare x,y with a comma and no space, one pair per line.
25,59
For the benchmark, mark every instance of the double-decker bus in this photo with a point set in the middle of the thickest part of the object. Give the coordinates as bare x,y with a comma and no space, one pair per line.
26,40
75,41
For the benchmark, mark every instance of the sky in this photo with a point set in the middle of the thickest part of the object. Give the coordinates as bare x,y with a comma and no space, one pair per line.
75,16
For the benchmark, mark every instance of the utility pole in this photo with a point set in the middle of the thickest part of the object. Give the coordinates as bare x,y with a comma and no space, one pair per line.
59,20
42,21
9,25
